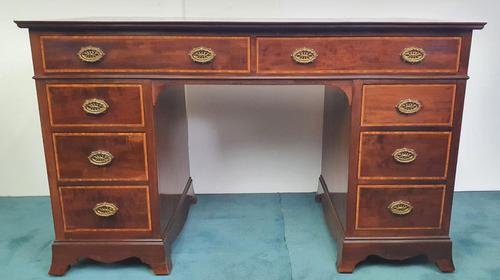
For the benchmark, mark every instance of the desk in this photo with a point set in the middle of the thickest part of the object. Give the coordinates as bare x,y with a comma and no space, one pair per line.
113,113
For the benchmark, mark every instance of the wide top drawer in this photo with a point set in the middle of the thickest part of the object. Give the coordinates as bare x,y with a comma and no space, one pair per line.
140,53
346,54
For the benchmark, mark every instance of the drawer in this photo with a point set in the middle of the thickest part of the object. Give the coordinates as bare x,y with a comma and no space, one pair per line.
95,104
385,207
404,155
117,208
145,54
406,105
358,54
100,156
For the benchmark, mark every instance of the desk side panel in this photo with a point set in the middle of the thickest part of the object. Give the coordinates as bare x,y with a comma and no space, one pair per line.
50,160
336,141
173,157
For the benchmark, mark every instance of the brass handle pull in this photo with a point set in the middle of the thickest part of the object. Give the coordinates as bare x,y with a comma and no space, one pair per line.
304,55
100,158
404,155
409,106
400,207
105,209
95,106
413,55
90,54
202,55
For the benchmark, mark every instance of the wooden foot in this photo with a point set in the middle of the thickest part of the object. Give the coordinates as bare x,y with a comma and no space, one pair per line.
160,268
348,258
445,265
60,262
442,257
158,260
160,263
346,265
57,268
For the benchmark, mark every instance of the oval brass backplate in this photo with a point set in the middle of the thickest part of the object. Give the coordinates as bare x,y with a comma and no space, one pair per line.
95,106
202,55
400,207
90,54
409,106
105,209
413,55
100,158
304,55
404,155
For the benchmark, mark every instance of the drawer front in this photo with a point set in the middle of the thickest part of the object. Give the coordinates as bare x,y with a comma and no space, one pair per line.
145,54
100,156
117,208
358,54
406,105
404,155
400,207
95,104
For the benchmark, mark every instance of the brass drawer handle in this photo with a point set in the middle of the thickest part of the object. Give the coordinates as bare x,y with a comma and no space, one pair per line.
95,106
400,207
413,55
404,155
90,54
304,55
202,55
409,106
105,209
100,158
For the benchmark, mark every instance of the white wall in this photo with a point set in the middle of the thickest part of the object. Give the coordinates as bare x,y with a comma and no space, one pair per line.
241,153
255,138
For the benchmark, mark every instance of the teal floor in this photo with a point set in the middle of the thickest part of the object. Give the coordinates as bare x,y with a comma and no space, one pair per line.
254,236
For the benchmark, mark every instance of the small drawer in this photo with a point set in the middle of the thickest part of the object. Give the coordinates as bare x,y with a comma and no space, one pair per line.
78,105
358,55
100,156
97,208
137,53
408,104
404,155
386,207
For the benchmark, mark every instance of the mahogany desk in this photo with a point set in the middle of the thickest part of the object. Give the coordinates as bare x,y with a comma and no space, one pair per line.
112,107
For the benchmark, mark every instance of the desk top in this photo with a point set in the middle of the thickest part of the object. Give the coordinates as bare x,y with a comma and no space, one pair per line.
257,48
193,24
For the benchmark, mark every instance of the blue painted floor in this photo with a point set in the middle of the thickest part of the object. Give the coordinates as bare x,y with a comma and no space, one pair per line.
254,236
